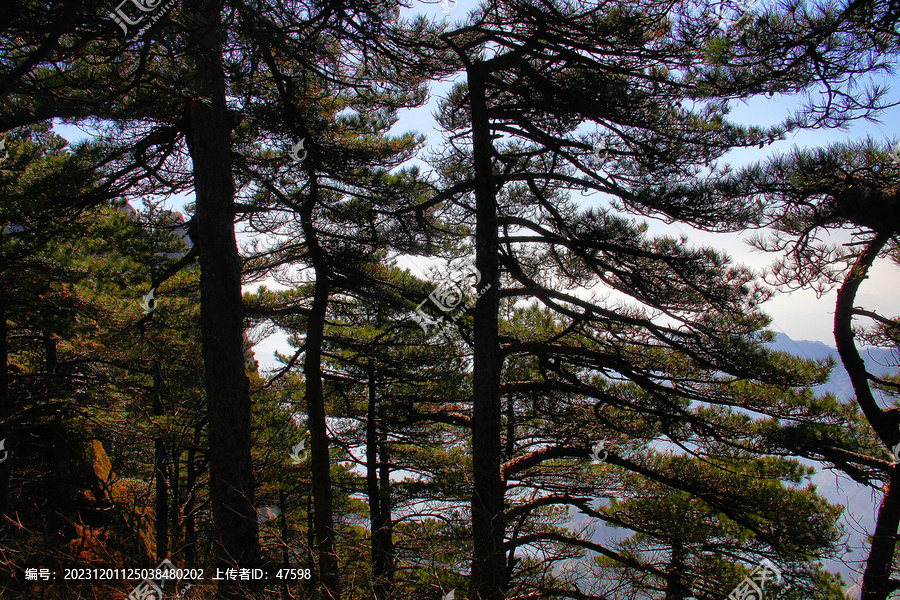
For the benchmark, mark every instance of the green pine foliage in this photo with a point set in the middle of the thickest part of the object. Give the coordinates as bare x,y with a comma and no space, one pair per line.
593,413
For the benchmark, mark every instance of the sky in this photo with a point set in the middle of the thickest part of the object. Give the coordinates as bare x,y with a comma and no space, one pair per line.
799,314
802,315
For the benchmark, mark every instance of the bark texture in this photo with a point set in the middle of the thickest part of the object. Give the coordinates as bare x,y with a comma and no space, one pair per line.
160,468
5,409
320,462
221,311
877,582
378,489
488,524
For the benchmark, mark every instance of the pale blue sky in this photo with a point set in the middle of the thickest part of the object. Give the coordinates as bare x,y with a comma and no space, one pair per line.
801,315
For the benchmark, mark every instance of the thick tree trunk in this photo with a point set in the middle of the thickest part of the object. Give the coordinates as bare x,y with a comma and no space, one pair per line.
311,544
221,312
379,498
877,583
885,427
489,560
320,461
675,588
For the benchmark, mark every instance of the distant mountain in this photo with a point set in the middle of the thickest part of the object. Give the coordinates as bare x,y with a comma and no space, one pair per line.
859,502
878,361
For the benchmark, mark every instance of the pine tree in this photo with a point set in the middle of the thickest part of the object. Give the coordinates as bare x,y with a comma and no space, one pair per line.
829,189
536,78
162,106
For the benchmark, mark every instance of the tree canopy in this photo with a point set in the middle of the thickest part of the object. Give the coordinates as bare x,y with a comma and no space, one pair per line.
566,403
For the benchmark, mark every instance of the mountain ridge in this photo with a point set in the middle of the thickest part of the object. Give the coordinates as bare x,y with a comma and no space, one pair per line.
838,384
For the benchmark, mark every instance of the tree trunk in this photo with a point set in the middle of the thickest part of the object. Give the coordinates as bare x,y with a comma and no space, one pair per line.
386,526
379,498
311,544
320,461
885,428
160,474
285,544
190,521
489,560
175,517
51,354
235,530
162,500
5,409
675,588
877,583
